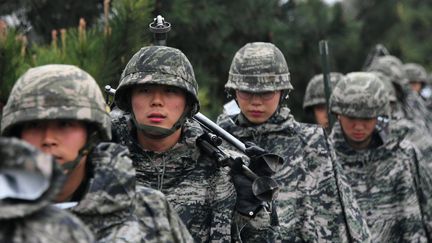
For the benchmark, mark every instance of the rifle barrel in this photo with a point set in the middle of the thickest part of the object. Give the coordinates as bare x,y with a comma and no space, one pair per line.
219,131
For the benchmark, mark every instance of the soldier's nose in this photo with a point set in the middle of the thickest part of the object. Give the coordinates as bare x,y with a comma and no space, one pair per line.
49,138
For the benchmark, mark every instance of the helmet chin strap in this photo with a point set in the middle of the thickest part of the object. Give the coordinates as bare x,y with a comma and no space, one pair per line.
85,150
155,132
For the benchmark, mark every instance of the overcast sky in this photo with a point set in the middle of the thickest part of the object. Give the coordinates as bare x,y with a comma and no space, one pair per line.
331,1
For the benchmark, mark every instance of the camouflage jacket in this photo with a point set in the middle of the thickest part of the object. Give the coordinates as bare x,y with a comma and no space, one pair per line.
315,203
413,108
115,209
390,188
34,220
416,134
201,192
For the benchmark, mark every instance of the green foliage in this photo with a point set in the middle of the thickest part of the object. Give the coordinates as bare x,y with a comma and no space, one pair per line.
209,32
101,50
12,61
129,32
46,15
403,26
304,24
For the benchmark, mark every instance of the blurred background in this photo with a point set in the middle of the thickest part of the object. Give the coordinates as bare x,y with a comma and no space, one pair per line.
101,35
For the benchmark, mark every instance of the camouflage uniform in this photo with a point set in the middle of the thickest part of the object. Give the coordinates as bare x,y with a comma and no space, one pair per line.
416,73
33,180
108,200
314,94
385,177
315,202
202,193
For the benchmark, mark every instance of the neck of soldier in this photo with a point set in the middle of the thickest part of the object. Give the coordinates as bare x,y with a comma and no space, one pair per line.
158,144
359,145
73,181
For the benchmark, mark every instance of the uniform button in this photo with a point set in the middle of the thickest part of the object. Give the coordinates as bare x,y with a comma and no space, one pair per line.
250,213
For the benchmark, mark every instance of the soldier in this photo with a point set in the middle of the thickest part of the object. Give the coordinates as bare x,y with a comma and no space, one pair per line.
409,104
420,82
416,75
315,100
158,94
315,203
29,180
60,110
390,182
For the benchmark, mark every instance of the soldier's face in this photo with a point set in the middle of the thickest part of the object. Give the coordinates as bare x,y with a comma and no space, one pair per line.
320,112
358,131
416,86
258,107
62,139
158,105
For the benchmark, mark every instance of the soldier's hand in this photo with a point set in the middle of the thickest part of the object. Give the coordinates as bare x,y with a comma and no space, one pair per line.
262,162
246,204
253,150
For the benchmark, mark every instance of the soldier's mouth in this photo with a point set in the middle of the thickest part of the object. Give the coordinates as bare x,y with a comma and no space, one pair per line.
156,117
256,113
358,135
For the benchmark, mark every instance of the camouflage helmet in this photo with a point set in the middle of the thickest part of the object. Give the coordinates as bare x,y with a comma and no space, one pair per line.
390,60
360,95
388,86
258,67
390,66
415,72
314,94
56,92
158,65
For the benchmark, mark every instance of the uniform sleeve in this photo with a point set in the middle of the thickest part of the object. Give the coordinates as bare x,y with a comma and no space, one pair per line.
60,226
423,180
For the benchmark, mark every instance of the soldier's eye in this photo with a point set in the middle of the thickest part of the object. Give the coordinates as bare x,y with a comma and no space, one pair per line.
143,90
32,125
67,123
173,90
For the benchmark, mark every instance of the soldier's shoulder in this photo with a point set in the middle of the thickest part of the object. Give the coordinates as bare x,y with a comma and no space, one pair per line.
149,201
310,133
314,140
120,119
147,192
62,225
111,148
111,158
224,118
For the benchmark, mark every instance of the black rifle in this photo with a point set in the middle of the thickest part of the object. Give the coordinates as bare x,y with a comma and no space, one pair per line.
160,28
264,188
324,53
